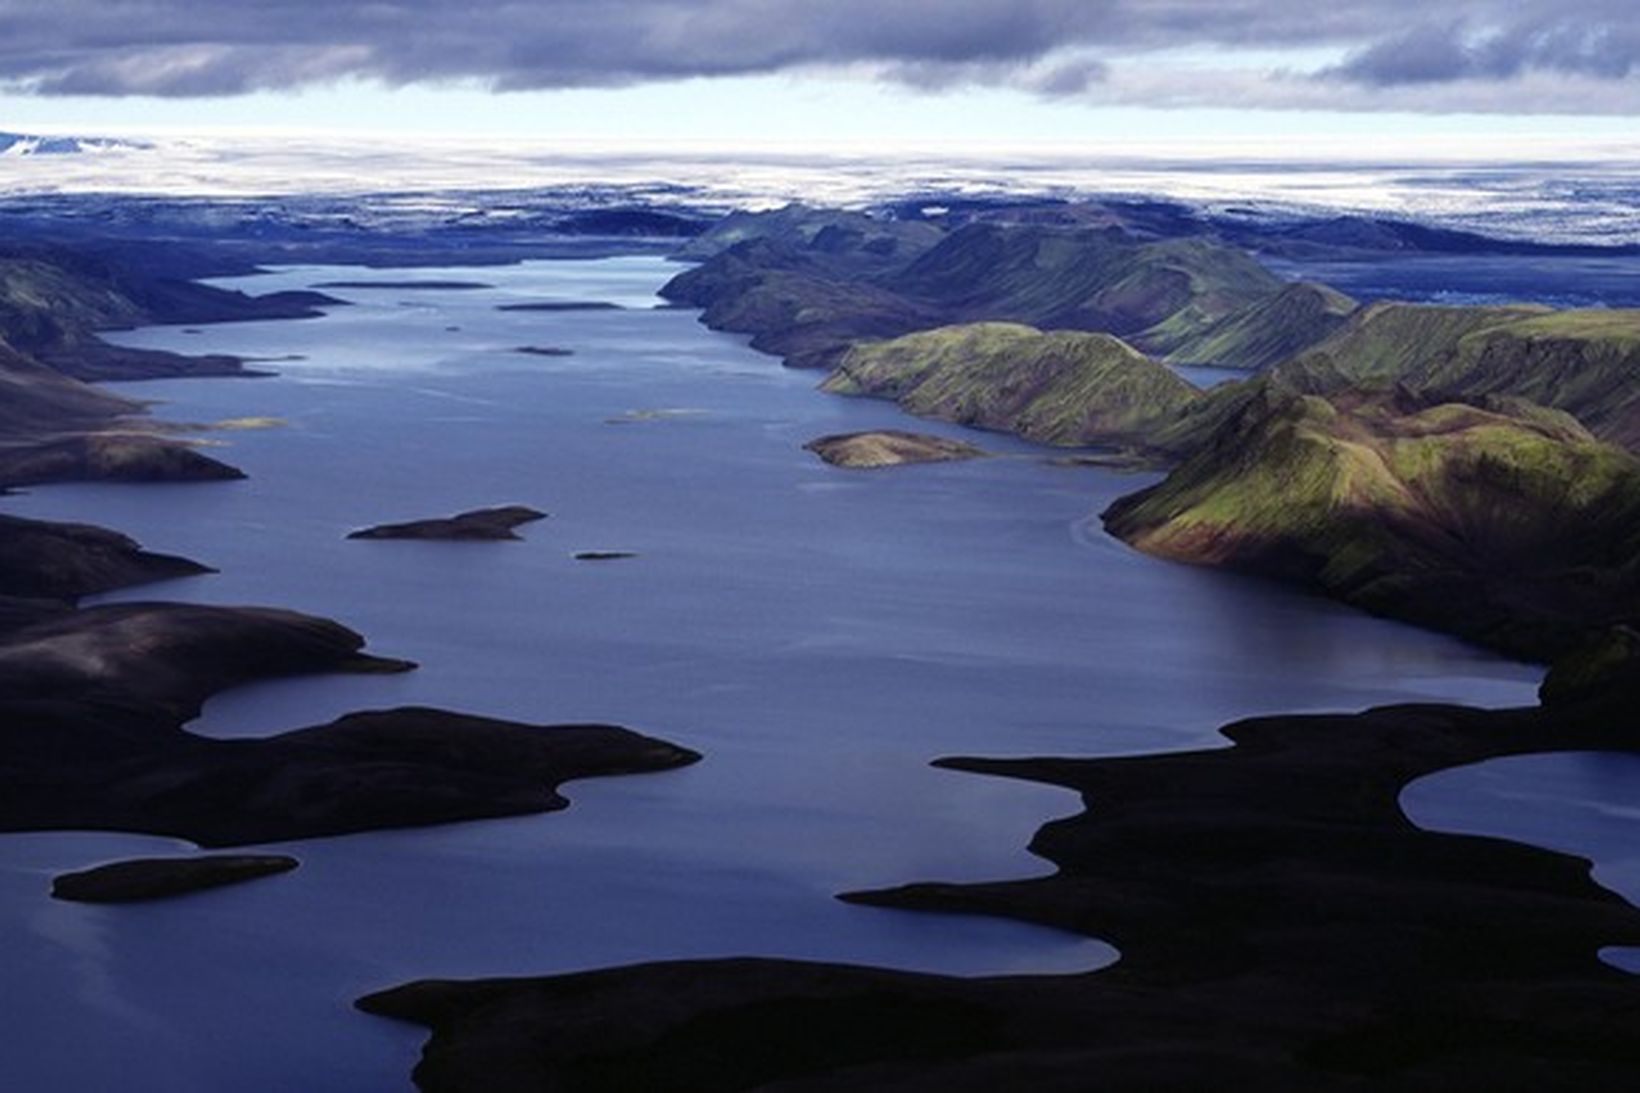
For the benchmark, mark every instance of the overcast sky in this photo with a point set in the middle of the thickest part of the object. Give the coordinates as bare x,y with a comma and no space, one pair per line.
747,71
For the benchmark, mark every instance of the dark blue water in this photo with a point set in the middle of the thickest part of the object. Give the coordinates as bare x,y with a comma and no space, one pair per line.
1554,281
819,634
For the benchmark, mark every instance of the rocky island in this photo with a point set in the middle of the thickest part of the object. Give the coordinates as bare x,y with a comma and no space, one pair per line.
890,448
161,878
492,524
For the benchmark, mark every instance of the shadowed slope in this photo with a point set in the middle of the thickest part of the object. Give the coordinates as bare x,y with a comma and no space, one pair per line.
1511,526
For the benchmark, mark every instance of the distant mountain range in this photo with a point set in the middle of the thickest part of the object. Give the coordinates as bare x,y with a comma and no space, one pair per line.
29,144
1583,199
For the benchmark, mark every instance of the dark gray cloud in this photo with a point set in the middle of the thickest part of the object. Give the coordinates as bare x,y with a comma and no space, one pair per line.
1568,44
1109,50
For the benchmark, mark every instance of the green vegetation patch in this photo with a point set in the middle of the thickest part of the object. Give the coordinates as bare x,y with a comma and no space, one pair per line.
1063,387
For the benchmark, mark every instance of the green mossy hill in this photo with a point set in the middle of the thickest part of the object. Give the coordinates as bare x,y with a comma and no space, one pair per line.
1063,387
1086,279
1268,331
818,231
1510,525
1584,362
808,298
1389,343
794,305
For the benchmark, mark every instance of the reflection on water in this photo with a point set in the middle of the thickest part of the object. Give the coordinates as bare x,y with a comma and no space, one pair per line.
1582,803
819,634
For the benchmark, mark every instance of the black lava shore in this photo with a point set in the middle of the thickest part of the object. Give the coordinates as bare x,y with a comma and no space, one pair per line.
1282,925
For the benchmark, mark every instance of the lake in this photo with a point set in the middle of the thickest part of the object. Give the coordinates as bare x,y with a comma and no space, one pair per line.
819,634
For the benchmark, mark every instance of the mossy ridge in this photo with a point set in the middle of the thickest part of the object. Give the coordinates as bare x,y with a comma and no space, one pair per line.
1584,362
806,296
1063,388
1386,343
1084,279
1520,531
828,231
1262,334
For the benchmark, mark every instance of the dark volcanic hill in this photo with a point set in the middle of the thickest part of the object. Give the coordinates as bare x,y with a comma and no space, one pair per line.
54,300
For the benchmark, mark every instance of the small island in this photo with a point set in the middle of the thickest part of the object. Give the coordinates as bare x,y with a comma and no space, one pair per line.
561,305
890,448
476,525
158,878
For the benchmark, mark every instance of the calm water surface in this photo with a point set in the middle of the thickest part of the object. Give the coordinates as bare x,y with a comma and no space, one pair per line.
1582,803
819,634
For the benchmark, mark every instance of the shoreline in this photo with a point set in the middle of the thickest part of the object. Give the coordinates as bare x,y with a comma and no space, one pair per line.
1125,948
1282,926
